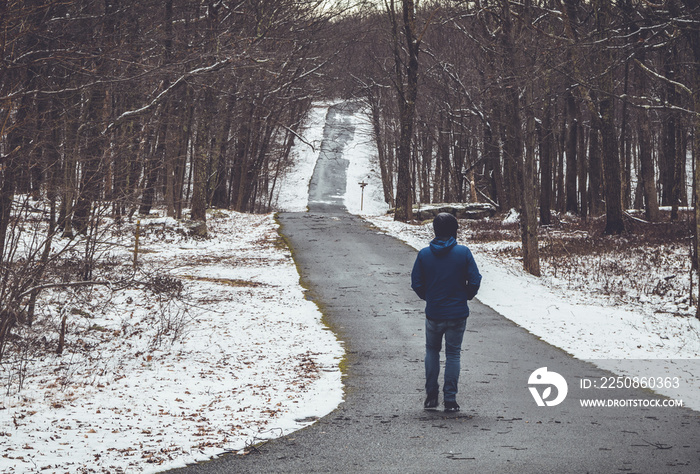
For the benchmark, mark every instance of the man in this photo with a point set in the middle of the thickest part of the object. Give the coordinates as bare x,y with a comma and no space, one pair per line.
445,275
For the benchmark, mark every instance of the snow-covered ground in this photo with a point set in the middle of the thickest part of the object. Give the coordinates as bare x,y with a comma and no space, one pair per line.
253,359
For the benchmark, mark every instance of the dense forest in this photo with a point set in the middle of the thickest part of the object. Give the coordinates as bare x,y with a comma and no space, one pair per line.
111,107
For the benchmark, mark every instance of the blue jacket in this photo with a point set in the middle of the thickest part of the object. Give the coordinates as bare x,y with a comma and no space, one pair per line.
445,275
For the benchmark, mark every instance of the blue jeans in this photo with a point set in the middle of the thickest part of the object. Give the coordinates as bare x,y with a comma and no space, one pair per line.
453,332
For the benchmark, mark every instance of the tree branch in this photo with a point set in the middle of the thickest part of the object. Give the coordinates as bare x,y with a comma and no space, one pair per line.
159,98
63,285
655,74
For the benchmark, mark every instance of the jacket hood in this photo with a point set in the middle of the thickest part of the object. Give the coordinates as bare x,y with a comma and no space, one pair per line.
445,225
442,246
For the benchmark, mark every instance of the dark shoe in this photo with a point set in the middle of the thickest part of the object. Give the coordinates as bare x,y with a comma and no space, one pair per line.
431,402
451,407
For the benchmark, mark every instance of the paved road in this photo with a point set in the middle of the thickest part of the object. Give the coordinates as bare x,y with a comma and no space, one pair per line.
359,277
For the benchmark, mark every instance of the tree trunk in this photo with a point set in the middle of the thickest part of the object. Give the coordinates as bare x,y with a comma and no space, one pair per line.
493,160
241,157
7,194
426,167
375,111
153,166
512,149
582,171
673,135
625,154
92,156
444,139
606,112
571,148
595,172
220,196
459,155
646,161
667,156
647,168
546,149
560,156
528,220
200,160
184,137
614,223
407,83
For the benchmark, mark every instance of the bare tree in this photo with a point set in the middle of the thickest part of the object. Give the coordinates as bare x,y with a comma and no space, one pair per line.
406,84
